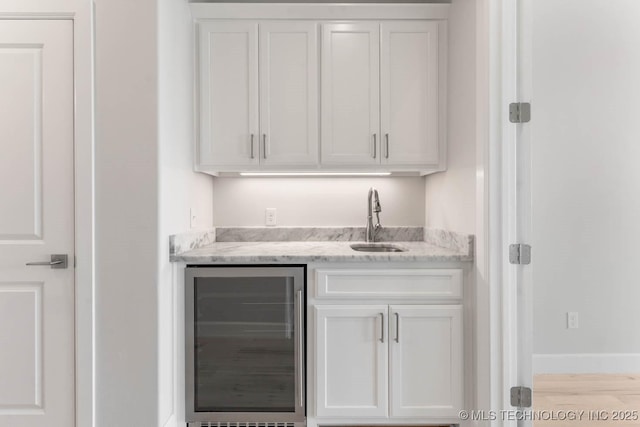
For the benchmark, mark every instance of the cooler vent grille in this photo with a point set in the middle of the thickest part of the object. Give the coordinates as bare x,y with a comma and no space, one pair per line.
274,424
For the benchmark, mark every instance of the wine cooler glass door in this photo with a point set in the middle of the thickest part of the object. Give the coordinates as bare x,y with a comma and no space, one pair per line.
247,344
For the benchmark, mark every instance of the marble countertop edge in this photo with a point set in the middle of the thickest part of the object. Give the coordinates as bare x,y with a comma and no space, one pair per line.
314,252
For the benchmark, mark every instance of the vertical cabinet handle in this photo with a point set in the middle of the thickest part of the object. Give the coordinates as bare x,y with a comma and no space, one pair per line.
264,145
381,327
386,136
300,349
397,327
375,144
252,155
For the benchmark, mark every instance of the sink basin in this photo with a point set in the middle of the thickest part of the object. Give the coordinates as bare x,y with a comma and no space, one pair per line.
376,247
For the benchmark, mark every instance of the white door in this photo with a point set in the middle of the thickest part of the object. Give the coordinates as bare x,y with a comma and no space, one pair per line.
425,365
228,93
411,55
36,221
289,93
350,93
352,361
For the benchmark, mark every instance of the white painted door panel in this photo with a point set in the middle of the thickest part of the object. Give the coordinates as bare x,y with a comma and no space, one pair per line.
350,93
426,360
36,220
228,93
289,93
352,361
409,75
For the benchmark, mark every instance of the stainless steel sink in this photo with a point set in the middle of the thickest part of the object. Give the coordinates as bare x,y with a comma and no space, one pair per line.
376,247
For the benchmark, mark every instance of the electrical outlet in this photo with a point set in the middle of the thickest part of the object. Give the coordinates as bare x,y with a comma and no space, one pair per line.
572,320
270,216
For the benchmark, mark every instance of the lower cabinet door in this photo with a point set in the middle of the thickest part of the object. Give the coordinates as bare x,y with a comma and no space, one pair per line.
426,360
352,361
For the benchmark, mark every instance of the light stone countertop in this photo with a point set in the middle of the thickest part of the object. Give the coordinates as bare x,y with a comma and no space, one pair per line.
302,252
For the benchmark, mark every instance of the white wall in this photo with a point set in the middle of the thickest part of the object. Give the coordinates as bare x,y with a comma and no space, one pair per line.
317,201
144,190
179,187
450,196
126,165
586,179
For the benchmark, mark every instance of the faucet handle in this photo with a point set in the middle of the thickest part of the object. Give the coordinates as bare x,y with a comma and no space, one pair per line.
376,201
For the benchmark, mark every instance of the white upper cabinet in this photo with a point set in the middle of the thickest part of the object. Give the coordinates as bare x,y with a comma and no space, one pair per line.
321,88
289,93
258,90
383,94
411,78
228,93
350,93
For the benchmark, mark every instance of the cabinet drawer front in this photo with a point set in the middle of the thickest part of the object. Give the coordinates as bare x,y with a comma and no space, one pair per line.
396,283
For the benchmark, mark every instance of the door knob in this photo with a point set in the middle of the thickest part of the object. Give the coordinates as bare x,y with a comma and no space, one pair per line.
57,261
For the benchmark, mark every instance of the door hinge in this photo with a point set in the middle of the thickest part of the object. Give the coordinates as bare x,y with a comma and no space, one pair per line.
521,397
520,254
520,112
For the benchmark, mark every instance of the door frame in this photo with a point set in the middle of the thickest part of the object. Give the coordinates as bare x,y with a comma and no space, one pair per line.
496,299
496,220
81,12
84,168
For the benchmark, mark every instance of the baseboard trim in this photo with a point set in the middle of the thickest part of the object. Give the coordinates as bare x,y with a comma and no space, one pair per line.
586,363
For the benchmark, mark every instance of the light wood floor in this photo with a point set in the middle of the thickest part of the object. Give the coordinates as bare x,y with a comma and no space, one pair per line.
610,396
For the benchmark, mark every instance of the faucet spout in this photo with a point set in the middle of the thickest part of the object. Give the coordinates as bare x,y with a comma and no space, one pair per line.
373,205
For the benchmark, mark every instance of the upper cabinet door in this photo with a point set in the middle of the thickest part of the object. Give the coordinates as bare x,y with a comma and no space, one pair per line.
350,93
228,93
289,93
412,73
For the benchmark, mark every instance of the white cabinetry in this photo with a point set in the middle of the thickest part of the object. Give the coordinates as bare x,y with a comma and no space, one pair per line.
228,94
258,95
425,354
412,78
380,107
350,93
383,97
352,360
402,360
289,93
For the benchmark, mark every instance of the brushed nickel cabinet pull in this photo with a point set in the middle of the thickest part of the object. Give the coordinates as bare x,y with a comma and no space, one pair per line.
387,145
264,145
375,145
